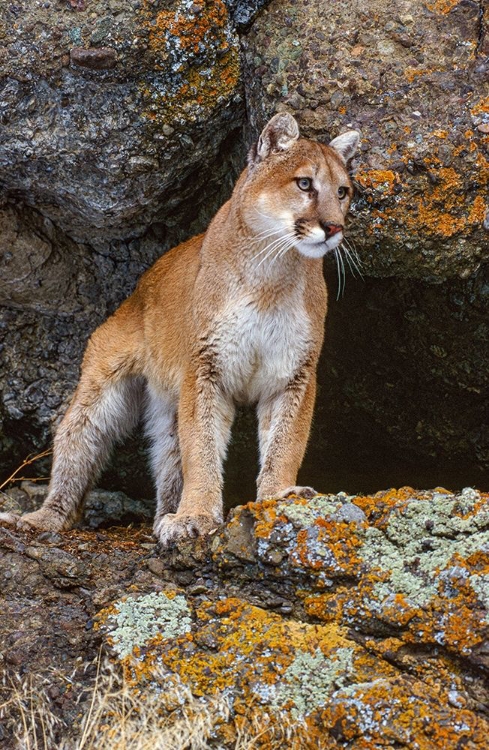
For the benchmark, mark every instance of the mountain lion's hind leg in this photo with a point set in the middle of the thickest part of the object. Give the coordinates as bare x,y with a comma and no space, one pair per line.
105,408
162,430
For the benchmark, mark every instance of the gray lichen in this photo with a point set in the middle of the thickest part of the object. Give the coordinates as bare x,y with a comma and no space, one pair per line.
138,620
420,541
337,507
311,678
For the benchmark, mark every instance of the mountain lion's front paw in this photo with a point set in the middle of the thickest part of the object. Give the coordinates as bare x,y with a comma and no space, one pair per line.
306,492
42,519
174,527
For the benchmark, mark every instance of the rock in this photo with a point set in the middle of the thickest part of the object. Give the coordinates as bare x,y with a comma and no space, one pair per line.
111,508
62,568
392,600
134,69
101,508
243,13
96,59
382,611
418,96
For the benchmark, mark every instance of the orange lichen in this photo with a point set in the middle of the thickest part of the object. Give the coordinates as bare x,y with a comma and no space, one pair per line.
383,180
482,107
210,19
442,209
442,6
401,712
437,210
388,635
412,73
198,53
266,515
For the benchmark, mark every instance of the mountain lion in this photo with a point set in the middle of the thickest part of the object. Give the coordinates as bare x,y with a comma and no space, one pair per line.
235,315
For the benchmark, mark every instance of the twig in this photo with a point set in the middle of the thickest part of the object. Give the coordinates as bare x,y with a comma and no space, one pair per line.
26,462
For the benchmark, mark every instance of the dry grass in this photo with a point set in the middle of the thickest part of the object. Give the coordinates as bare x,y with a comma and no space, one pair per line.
115,716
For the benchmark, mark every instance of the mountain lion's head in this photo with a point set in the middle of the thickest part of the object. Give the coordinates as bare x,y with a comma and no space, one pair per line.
298,190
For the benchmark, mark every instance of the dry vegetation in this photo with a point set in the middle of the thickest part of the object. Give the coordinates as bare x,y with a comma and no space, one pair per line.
114,716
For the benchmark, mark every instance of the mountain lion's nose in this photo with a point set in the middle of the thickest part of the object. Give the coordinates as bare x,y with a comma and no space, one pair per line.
330,229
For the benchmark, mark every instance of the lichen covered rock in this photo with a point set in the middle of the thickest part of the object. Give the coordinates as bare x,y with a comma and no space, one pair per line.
109,109
413,78
404,561
386,638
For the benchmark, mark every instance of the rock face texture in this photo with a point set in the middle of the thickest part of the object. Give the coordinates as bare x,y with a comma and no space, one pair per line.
342,621
413,79
108,110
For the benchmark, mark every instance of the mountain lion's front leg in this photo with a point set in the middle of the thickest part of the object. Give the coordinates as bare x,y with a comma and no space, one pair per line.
205,417
284,423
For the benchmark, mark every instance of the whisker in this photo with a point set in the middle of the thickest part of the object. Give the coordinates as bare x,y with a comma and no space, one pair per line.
341,273
352,263
267,247
275,249
278,246
270,252
272,246
266,216
337,272
266,233
351,246
356,261
282,252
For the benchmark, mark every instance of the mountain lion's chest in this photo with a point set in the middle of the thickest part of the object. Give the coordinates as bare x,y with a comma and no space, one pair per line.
259,351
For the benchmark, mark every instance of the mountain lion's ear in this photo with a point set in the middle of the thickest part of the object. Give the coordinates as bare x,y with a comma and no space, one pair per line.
346,144
278,135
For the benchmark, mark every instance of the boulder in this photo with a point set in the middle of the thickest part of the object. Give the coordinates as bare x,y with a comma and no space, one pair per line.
110,109
413,79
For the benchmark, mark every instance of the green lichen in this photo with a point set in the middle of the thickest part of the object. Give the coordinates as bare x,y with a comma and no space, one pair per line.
321,506
311,678
138,620
420,541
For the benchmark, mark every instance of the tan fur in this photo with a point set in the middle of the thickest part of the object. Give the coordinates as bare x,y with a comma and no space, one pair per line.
233,315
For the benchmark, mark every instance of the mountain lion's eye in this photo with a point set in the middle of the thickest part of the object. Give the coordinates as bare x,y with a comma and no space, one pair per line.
304,183
342,192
